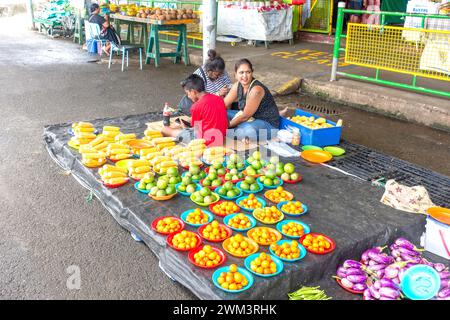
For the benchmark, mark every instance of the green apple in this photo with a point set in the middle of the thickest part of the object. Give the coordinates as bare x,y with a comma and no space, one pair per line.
285,176
172,172
186,180
249,179
173,180
182,188
274,159
194,169
295,176
221,171
230,165
231,193
217,164
228,176
149,186
206,183
216,182
191,188
279,172
250,159
256,164
245,185
235,177
154,190
199,198
271,174
170,190
228,185
142,185
212,170
161,193
162,184
208,200
240,165
256,155
234,157
276,181
205,192
196,177
234,171
268,182
289,168
271,166
212,176
202,174
254,187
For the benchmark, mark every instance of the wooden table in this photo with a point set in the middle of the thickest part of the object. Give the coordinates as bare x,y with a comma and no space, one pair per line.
152,45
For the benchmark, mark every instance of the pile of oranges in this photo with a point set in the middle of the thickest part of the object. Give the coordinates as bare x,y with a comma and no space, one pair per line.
250,202
225,208
292,207
240,246
233,279
263,264
168,225
286,250
214,231
240,221
317,244
207,257
264,236
197,217
293,229
268,215
185,240
278,195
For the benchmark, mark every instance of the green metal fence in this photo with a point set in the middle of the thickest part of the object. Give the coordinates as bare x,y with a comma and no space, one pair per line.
419,52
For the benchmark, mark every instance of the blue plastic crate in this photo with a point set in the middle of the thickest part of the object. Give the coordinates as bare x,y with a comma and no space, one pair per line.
317,137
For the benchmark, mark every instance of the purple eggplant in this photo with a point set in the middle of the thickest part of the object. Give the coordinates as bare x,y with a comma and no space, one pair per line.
376,250
408,252
402,242
391,271
396,280
413,259
386,298
444,275
376,267
389,292
352,264
384,282
380,274
374,292
377,285
444,293
354,271
372,262
367,295
439,267
445,283
398,259
448,298
346,283
381,258
357,278
359,286
341,272
395,253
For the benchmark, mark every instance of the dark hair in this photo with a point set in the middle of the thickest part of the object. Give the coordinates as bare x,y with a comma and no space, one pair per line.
93,7
215,62
193,82
241,62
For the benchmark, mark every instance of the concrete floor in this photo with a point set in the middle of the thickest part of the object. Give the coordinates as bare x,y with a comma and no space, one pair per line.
47,225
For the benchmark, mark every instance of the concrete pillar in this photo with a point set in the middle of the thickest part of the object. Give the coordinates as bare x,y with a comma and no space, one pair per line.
209,26
30,13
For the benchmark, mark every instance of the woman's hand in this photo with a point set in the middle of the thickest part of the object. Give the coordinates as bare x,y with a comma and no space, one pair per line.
231,96
254,98
223,92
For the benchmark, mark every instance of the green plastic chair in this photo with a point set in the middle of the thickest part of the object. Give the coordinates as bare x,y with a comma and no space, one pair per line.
124,49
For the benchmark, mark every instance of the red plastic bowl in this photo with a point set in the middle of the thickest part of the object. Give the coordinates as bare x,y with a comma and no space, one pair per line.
191,254
332,247
155,223
211,206
112,186
293,181
229,232
170,237
211,187
348,289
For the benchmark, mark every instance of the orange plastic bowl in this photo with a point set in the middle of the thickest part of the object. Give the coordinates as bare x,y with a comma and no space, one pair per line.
316,156
441,214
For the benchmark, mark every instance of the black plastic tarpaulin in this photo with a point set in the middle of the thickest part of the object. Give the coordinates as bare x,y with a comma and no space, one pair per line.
343,207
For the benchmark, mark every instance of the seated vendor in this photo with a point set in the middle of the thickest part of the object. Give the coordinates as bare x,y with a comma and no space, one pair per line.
215,77
107,31
258,117
209,115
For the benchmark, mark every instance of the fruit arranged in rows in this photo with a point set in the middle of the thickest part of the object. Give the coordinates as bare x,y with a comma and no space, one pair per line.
197,217
218,168
229,190
286,250
195,173
212,180
293,207
207,257
250,184
147,182
250,202
163,187
214,231
92,158
112,175
225,208
138,168
233,279
264,236
293,229
239,245
240,221
311,122
187,185
117,151
317,244
83,133
204,196
185,240
268,215
278,195
263,264
110,132
235,162
168,225
234,175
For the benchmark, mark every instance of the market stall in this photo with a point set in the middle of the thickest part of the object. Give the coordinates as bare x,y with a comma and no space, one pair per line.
138,193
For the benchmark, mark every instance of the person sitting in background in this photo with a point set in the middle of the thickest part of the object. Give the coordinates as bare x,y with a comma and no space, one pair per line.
356,5
107,31
214,76
209,115
255,103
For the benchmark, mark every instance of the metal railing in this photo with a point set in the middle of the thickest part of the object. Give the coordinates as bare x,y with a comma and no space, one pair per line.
419,52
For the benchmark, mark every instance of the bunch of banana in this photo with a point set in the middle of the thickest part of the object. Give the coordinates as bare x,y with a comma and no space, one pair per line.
84,133
110,133
173,151
151,155
113,175
160,164
117,151
150,134
99,144
145,151
92,158
163,142
188,162
124,137
138,168
213,154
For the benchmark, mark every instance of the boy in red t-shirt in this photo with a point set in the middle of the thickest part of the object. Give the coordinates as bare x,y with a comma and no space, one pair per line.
209,115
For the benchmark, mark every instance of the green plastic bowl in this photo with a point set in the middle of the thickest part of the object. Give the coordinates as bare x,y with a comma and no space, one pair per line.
335,151
311,147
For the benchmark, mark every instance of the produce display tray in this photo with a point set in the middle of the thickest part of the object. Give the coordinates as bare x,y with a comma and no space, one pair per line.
340,206
153,21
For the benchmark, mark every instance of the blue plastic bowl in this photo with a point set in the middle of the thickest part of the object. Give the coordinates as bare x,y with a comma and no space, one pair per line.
261,187
280,224
140,190
197,188
420,282
270,187
241,270
230,216
185,214
275,259
302,251
228,198
246,209
304,206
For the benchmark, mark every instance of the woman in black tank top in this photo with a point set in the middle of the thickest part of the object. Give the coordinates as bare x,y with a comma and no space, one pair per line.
254,102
